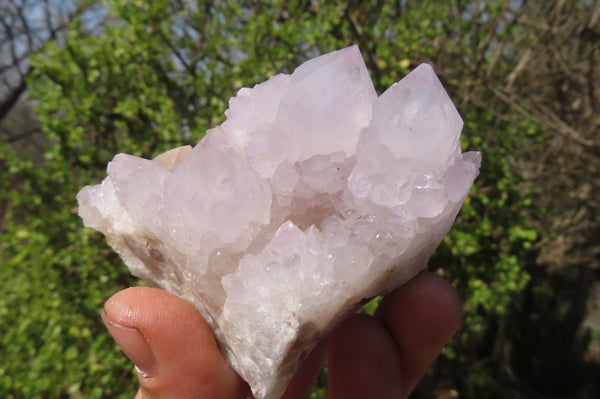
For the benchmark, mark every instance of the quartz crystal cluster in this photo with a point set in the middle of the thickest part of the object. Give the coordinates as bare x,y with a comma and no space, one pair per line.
314,195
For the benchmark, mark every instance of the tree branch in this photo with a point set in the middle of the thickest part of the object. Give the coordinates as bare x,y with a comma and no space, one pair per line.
14,96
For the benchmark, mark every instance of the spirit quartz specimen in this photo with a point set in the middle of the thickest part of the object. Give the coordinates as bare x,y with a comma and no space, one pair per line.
314,195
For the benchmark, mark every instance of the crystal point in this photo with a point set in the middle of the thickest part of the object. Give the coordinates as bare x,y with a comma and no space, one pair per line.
313,195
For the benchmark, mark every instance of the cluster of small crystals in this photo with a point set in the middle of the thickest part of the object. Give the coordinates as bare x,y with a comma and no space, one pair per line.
313,195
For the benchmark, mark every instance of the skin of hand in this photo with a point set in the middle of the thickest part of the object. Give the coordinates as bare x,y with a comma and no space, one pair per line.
380,356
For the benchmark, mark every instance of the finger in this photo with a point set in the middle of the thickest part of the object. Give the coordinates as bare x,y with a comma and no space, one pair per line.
422,315
305,377
363,361
173,348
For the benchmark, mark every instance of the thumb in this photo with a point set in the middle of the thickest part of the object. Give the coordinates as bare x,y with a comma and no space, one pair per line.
173,349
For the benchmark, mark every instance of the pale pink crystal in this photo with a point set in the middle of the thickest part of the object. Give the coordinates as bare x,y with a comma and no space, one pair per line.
313,195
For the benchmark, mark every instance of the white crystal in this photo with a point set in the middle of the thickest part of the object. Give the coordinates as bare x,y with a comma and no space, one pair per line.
313,195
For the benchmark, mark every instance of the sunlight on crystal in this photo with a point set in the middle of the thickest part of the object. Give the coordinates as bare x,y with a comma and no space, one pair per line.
312,196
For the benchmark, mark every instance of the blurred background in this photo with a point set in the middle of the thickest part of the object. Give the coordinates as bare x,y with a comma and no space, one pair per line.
83,80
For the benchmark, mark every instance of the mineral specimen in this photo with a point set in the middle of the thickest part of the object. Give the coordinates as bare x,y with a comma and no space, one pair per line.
313,195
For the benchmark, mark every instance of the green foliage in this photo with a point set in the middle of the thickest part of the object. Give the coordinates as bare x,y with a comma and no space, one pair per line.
158,76
54,278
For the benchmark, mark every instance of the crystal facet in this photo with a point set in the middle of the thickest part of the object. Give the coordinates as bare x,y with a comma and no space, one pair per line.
313,195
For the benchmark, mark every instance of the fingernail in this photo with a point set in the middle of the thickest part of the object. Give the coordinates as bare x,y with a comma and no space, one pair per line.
135,346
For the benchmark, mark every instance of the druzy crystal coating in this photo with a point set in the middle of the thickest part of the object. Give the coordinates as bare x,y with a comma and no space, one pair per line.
314,195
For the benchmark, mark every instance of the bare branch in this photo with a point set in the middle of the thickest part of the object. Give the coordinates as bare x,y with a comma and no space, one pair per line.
520,66
546,118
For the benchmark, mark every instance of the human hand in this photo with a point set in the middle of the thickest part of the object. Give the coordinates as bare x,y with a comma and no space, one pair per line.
380,356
